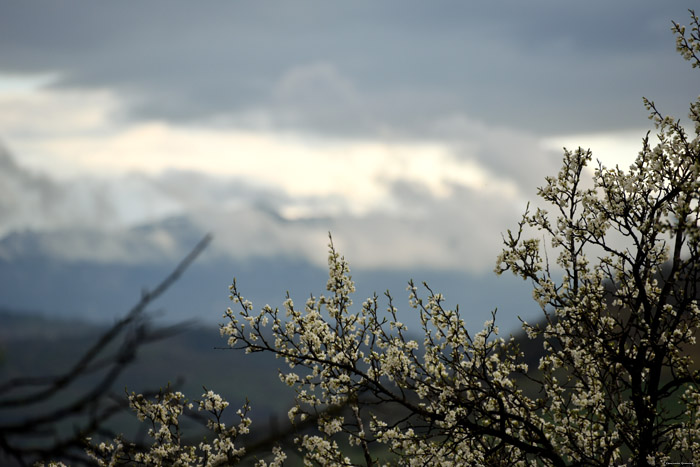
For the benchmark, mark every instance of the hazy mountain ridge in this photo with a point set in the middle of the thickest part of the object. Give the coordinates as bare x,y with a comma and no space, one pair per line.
32,277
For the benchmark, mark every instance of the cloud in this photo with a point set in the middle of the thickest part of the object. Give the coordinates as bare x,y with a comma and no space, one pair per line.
36,199
416,228
611,149
75,221
317,96
455,227
460,232
416,203
30,199
353,174
361,69
504,153
86,244
25,197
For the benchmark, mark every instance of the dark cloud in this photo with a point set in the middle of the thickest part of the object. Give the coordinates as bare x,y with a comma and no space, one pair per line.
545,66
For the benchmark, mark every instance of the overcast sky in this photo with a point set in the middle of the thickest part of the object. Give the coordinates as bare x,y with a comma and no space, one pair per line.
415,131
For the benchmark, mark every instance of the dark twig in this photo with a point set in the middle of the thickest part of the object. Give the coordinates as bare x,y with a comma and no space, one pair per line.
97,403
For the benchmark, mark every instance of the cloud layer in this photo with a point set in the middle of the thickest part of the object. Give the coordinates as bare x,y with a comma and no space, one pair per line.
415,134
361,68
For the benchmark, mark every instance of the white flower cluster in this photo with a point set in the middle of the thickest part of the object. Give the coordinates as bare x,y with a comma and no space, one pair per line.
168,448
344,363
689,46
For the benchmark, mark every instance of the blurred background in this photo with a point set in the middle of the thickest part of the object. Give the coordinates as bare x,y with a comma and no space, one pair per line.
414,132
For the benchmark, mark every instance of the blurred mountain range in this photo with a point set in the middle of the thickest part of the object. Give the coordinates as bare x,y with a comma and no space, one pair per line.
96,276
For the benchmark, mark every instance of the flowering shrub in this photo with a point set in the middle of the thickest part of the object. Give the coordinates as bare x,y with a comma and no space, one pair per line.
615,386
163,415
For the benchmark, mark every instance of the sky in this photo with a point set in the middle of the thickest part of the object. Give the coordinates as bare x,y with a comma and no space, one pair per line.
415,132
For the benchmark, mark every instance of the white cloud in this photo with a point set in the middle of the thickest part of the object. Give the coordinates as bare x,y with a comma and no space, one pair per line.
610,148
460,233
437,202
87,142
14,84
